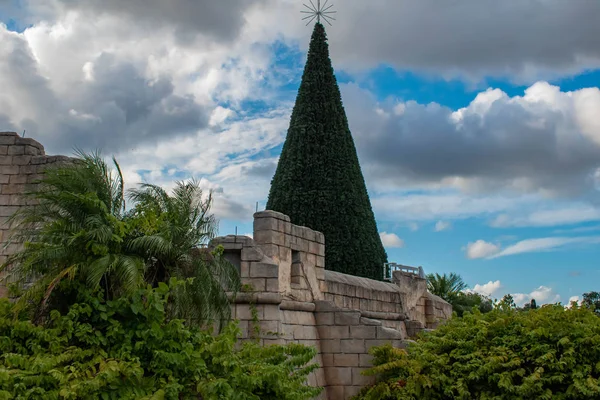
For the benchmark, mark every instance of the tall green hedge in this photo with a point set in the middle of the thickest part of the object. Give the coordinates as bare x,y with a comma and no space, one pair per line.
127,349
318,181
548,353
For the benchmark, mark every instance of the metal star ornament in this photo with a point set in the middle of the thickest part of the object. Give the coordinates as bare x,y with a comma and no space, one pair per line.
318,11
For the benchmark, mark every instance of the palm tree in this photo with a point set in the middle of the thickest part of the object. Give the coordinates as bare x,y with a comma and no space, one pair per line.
78,232
172,237
445,286
74,230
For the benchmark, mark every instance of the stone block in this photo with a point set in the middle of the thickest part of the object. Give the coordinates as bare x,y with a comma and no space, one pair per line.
363,332
335,392
345,360
13,189
29,169
244,269
251,254
365,360
353,346
263,270
18,200
325,318
32,151
324,306
320,273
16,150
5,200
3,150
4,178
285,253
271,214
272,285
266,224
347,317
7,138
329,345
270,327
18,179
258,284
336,376
305,318
302,332
243,312
7,211
271,312
327,359
21,160
388,333
334,332
6,160
10,169
308,234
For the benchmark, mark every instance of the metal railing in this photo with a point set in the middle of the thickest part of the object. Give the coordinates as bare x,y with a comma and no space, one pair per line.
389,268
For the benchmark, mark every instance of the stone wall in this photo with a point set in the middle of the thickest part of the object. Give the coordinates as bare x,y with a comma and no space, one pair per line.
288,296
343,316
22,161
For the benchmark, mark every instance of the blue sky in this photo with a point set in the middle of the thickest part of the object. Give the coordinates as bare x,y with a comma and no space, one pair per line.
478,130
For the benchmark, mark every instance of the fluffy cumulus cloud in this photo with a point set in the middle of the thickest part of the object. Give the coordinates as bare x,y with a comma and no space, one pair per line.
541,295
165,86
545,142
481,249
488,289
391,240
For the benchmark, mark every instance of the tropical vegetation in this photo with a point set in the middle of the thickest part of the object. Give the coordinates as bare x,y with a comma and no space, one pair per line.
79,229
129,348
121,303
550,352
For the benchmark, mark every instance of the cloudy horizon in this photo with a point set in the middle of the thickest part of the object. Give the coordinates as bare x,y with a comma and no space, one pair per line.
477,123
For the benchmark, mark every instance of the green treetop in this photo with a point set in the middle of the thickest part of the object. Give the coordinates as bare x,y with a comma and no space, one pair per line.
318,181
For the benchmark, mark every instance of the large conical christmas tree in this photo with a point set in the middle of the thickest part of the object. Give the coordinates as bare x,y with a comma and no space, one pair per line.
318,181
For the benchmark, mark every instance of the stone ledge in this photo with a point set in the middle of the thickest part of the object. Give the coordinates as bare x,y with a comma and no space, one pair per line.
256,297
297,306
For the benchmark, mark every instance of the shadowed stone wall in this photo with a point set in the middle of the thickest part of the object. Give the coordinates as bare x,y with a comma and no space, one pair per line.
22,161
296,300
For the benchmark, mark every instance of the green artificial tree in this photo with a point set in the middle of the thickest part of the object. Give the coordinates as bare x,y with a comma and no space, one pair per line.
318,182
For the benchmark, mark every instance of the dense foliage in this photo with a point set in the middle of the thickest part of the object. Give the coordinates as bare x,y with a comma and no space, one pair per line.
592,300
550,352
318,181
79,230
127,348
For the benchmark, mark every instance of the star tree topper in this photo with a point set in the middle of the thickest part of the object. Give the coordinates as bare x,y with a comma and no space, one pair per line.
318,11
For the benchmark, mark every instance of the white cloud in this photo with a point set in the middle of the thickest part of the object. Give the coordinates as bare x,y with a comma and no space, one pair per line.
488,289
542,295
391,240
575,214
442,226
481,249
544,244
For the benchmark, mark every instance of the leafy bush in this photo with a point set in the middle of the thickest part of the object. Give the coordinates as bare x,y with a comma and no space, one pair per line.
545,353
127,349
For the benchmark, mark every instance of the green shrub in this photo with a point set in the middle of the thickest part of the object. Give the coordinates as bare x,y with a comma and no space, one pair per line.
546,353
127,349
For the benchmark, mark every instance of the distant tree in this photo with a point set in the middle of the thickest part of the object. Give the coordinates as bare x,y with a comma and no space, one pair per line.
507,303
466,302
592,301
